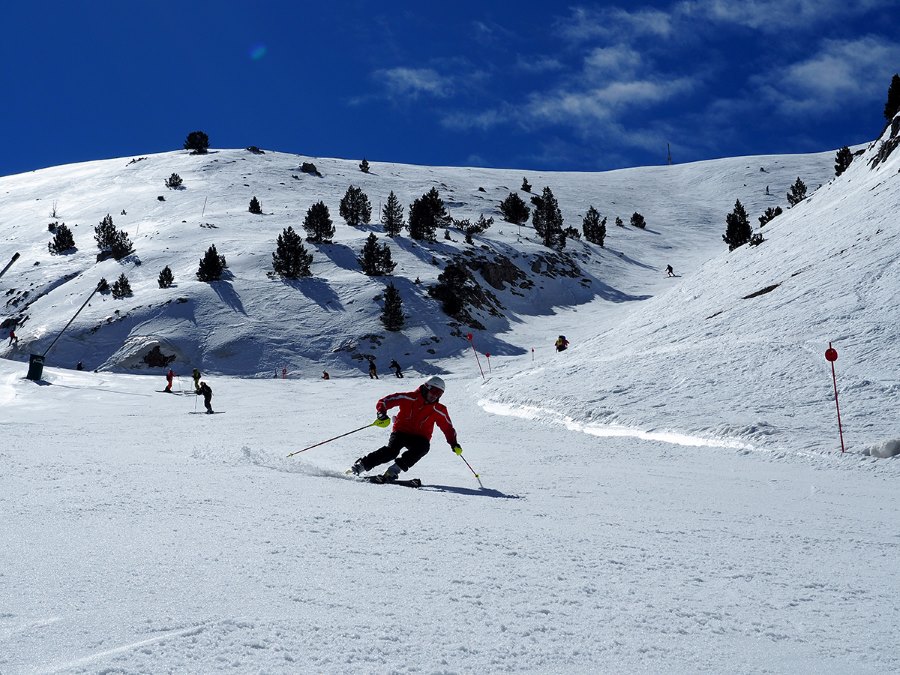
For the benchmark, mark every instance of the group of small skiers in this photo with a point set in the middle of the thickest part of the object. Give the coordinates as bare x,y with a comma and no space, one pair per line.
373,369
200,388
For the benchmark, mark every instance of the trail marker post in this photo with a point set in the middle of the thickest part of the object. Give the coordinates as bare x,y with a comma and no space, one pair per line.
831,355
469,338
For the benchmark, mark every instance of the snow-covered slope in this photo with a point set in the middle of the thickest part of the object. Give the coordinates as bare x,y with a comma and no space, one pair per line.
253,324
734,351
667,495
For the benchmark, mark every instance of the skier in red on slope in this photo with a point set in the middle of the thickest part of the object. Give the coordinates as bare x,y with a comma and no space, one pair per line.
414,424
169,377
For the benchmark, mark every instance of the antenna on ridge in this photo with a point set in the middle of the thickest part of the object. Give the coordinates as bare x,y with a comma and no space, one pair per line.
668,154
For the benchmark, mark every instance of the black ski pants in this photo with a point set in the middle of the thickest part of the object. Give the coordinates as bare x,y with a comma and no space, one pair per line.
416,448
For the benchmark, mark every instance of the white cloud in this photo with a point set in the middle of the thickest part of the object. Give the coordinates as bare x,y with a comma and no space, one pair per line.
538,64
842,71
603,106
412,82
774,15
615,62
585,24
482,121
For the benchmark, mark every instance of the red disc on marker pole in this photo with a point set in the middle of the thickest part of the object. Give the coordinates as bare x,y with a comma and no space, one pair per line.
469,337
488,354
831,354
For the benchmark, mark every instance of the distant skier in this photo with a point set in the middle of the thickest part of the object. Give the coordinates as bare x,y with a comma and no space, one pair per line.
396,366
325,375
196,376
414,424
373,371
80,366
169,377
13,338
207,397
669,271
561,343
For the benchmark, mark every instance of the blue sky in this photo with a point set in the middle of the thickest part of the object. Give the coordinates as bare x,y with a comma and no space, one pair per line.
531,85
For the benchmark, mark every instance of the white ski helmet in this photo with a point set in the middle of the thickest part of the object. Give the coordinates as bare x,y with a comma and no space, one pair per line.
435,383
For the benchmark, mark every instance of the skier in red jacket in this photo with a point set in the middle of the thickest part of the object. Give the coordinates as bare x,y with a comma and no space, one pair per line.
414,423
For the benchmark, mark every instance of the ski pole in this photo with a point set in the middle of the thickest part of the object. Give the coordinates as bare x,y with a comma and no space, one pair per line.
477,477
9,264
297,452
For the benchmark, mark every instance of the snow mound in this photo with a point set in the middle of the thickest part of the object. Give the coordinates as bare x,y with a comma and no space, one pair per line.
884,450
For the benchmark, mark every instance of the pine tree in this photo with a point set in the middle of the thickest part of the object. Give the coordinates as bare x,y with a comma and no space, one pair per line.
594,229
197,142
469,229
892,105
426,215
738,230
364,166
526,186
637,220
368,260
355,208
121,245
547,220
318,225
385,263
797,193
514,209
166,278
291,259
174,181
121,288
392,216
212,265
619,222
255,206
62,239
842,160
450,288
392,314
769,214
110,240
375,259
105,233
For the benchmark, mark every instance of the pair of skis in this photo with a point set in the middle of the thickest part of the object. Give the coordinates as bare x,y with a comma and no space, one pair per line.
379,480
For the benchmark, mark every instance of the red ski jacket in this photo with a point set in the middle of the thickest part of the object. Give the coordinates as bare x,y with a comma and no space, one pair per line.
417,416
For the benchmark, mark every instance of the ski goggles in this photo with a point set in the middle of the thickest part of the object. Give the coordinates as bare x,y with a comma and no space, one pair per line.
432,394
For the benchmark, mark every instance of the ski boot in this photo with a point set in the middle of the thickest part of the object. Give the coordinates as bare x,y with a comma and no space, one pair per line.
388,476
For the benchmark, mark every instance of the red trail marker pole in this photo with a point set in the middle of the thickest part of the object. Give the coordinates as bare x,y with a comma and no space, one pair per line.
831,355
469,338
488,356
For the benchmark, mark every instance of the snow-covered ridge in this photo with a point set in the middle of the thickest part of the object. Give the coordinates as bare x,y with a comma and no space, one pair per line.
253,324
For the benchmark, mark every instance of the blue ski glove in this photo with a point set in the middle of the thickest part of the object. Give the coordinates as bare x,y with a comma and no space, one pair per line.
457,449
